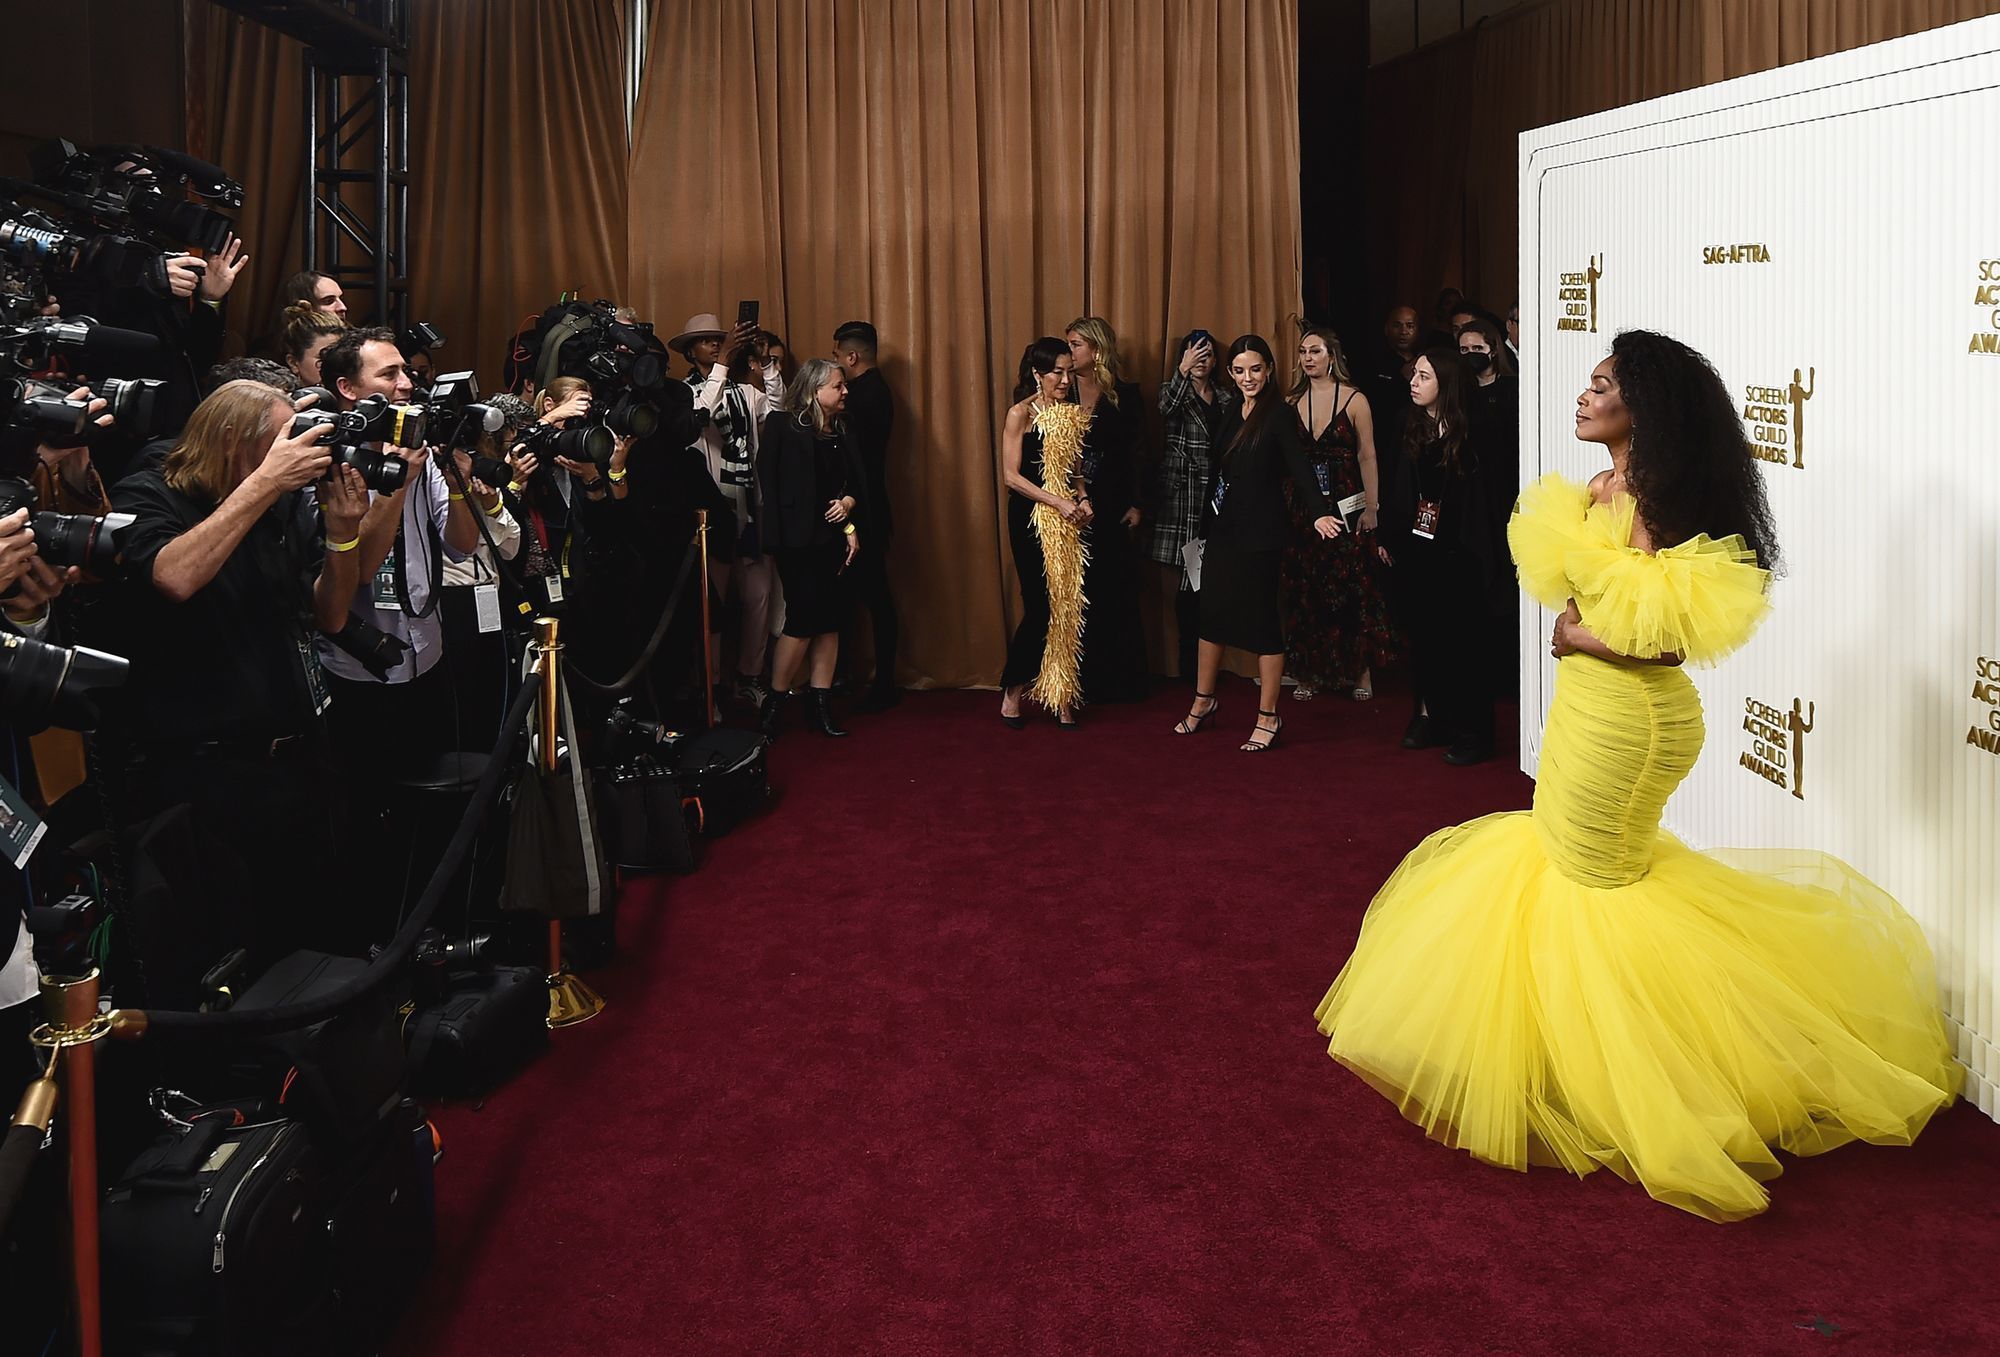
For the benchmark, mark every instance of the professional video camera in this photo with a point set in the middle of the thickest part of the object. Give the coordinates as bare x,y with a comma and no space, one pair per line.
110,217
139,190
43,685
621,360
94,543
373,420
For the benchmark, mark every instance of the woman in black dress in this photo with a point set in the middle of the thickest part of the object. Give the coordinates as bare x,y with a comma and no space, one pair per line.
1114,644
1247,527
810,474
1044,383
1446,544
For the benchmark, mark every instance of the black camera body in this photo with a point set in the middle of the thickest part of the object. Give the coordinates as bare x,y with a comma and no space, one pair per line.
456,417
374,420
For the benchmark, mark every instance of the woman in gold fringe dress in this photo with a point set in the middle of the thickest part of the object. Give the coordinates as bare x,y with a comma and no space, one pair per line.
1041,458
1571,985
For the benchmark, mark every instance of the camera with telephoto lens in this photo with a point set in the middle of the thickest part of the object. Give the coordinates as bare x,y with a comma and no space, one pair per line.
373,420
94,543
43,685
578,443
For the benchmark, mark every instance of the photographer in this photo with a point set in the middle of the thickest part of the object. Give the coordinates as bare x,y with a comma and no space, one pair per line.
405,538
730,414
303,336
231,565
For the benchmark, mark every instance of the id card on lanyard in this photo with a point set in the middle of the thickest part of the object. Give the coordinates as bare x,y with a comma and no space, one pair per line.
382,589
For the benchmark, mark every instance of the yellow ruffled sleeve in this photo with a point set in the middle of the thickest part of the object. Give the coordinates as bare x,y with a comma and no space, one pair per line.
1699,600
1547,525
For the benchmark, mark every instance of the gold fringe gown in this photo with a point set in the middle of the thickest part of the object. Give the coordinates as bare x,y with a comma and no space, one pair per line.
1572,985
1059,684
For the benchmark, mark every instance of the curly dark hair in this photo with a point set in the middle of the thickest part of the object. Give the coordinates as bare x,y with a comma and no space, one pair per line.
1690,467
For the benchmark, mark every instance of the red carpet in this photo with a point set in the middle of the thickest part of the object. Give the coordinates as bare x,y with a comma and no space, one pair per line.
998,1042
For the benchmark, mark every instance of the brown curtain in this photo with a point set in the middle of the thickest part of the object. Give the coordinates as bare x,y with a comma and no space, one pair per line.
246,113
517,148
968,176
1443,199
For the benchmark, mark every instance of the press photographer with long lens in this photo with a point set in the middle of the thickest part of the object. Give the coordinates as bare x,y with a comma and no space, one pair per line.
244,544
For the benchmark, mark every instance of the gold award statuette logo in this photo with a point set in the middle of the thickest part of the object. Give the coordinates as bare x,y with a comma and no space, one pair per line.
1986,296
1777,418
1984,732
1777,743
1576,297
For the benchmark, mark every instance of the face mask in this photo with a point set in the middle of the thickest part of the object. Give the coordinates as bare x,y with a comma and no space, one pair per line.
1477,361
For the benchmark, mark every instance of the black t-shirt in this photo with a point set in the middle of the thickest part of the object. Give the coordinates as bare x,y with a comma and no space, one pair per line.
231,662
871,413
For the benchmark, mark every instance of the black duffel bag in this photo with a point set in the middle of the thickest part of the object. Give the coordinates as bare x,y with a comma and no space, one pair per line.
345,1072
240,1233
474,1036
214,1242
723,771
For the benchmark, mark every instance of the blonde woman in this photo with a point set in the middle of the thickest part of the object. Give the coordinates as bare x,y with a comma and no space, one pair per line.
303,335
810,476
1114,666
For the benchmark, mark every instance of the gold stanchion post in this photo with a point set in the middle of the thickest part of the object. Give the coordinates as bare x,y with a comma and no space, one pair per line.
70,1036
570,1000
707,654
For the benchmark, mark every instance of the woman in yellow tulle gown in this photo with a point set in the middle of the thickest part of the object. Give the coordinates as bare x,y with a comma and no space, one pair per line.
1572,985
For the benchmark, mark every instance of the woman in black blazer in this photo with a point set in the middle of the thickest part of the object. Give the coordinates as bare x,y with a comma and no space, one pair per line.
811,477
1247,526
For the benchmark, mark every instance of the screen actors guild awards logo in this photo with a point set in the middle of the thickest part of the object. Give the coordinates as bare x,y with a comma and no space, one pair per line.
1984,732
1986,296
1576,297
1777,418
1777,743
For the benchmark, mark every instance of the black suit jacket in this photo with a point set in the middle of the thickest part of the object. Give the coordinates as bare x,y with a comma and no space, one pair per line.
794,511
1254,515
871,414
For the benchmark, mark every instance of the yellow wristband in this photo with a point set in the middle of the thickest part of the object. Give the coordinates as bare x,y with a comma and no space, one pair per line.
616,473
517,487
454,496
343,546
848,530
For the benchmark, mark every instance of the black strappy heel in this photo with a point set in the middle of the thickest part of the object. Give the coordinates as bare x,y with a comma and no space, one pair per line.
1214,706
1251,746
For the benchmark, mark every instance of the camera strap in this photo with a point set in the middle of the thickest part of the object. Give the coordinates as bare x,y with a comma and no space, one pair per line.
435,541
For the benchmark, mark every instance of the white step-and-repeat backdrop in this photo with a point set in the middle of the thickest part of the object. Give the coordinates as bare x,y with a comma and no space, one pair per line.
1828,234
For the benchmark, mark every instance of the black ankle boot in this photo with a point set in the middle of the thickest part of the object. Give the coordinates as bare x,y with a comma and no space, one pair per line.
771,715
819,711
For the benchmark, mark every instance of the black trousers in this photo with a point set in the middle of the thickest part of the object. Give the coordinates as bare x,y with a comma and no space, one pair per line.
868,580
1450,629
1187,624
1024,653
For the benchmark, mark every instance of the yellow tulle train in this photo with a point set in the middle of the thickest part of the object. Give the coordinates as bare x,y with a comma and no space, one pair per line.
1672,1030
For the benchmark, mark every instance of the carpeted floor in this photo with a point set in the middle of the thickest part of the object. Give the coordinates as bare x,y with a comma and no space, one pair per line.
985,1041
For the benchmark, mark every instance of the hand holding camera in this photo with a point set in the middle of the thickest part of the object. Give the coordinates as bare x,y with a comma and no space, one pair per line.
343,499
296,460
17,548
184,274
